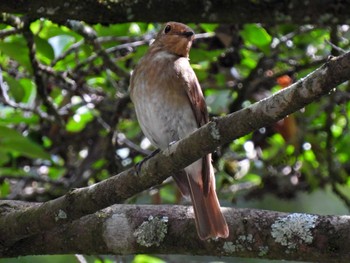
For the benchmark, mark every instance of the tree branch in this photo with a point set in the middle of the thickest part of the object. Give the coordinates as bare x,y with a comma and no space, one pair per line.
133,229
225,11
38,76
90,36
17,225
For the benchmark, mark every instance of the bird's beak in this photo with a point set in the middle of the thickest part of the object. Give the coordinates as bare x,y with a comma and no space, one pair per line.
188,34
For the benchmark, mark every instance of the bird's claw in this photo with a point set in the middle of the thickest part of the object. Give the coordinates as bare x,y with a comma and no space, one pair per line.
139,164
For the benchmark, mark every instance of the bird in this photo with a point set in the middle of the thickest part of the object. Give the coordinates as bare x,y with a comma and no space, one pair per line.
170,105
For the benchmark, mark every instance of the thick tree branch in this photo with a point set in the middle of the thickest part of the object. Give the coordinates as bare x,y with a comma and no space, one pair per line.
132,229
224,11
20,224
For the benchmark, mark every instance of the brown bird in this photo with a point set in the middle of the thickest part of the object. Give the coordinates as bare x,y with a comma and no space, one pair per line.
170,105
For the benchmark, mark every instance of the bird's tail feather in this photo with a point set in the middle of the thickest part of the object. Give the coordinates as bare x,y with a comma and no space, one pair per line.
210,222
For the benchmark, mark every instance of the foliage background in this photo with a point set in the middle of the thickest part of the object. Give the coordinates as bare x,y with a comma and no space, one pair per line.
66,120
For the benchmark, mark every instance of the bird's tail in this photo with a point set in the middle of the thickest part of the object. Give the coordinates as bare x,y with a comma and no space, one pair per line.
210,222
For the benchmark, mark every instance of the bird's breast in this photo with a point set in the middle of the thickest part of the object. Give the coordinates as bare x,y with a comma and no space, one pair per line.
162,106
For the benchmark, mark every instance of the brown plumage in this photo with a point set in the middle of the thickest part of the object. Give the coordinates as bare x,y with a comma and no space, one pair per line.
170,105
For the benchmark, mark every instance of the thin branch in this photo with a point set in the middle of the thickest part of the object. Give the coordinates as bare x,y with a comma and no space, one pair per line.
91,37
8,32
12,20
123,140
111,50
335,47
341,195
38,76
74,47
5,98
34,178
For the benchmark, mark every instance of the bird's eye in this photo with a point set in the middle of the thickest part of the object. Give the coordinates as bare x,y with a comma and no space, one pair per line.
167,29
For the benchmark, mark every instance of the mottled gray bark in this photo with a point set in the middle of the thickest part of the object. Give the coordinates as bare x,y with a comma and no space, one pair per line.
132,229
324,12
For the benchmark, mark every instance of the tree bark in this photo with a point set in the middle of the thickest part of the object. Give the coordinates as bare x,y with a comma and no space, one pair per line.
326,12
19,224
134,229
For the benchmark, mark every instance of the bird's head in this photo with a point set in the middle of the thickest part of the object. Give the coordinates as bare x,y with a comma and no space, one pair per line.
175,38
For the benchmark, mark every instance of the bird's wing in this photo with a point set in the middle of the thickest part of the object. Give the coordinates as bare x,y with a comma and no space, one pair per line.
196,98
199,108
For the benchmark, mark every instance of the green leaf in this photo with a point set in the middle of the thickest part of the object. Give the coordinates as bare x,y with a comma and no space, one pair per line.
4,189
105,260
12,141
16,90
115,29
56,172
47,29
129,127
199,55
17,51
209,27
4,158
253,178
99,164
59,43
134,29
310,156
256,35
218,101
277,142
78,122
249,59
44,50
16,172
22,90
147,259
168,194
13,116
29,90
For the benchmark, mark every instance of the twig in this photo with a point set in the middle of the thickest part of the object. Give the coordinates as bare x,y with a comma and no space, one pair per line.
38,76
62,76
34,178
7,101
12,20
80,258
337,48
72,48
342,196
90,36
122,139
112,50
8,32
